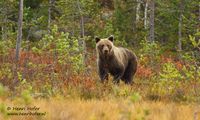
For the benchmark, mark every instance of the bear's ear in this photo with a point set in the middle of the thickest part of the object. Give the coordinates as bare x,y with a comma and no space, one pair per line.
111,38
97,39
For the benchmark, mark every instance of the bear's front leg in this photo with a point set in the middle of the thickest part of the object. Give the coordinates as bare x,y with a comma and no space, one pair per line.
118,76
103,74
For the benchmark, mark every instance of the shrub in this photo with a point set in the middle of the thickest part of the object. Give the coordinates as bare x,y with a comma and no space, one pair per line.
149,53
168,81
64,49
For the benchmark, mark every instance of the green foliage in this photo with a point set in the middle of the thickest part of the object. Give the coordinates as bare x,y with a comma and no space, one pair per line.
2,90
135,97
196,45
124,21
142,114
187,56
25,88
47,90
150,50
108,29
169,80
65,49
70,17
4,47
69,50
36,50
26,96
192,72
6,71
189,73
123,91
3,110
170,72
24,84
194,42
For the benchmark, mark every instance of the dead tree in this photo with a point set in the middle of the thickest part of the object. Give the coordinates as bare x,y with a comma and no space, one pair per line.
180,26
152,15
82,41
19,32
145,14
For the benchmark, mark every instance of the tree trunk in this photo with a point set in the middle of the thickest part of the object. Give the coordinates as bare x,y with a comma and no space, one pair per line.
19,33
152,8
4,21
82,33
134,17
49,15
145,14
82,20
83,40
180,26
138,11
199,13
82,27
4,26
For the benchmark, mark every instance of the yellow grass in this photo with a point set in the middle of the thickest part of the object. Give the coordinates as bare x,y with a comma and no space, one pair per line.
111,109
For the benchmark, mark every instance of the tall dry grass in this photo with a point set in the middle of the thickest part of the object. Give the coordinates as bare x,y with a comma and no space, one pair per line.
112,109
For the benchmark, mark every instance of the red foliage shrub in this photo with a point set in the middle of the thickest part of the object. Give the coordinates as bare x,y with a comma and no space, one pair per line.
144,72
178,63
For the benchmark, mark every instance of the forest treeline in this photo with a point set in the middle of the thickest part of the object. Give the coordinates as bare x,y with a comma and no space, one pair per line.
167,22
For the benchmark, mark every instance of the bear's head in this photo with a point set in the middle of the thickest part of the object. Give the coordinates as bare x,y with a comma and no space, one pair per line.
104,46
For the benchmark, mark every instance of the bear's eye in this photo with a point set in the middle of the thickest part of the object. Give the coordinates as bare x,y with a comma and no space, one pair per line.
100,46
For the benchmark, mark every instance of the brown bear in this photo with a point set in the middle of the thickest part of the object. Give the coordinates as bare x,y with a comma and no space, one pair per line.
120,62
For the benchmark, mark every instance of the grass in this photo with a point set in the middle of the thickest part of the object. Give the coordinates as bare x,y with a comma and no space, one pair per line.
110,109
100,102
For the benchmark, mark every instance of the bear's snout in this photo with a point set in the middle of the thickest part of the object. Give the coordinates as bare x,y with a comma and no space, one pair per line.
105,50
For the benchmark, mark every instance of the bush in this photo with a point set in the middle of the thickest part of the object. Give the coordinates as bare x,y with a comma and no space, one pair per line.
4,47
65,50
168,81
151,51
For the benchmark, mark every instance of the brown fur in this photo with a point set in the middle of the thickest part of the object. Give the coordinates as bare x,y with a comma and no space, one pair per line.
119,62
